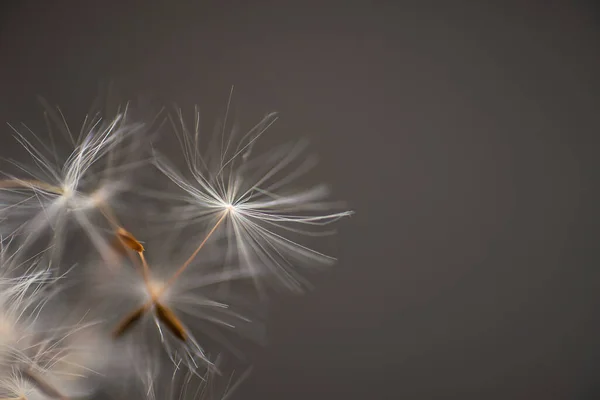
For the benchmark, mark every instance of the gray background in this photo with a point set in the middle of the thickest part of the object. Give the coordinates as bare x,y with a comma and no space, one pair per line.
462,134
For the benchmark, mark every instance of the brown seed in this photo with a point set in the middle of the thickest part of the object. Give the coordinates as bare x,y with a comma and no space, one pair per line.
118,246
128,322
168,317
128,240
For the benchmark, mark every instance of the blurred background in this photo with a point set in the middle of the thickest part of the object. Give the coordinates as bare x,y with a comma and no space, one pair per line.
463,134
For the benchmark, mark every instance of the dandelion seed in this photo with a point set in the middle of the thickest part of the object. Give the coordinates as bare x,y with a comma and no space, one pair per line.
254,198
165,301
25,289
51,364
175,305
41,356
54,190
14,387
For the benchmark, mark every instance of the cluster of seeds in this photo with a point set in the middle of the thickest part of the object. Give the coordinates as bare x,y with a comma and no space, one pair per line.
120,274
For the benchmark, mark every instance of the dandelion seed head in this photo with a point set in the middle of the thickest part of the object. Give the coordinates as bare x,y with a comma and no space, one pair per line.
59,359
24,292
14,386
160,300
51,190
230,208
267,210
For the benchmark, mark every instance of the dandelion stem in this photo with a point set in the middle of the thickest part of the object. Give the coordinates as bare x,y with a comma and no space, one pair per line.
126,239
30,184
195,253
145,269
109,214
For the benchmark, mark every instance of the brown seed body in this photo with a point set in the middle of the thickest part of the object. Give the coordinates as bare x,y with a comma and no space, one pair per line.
129,321
129,241
119,248
168,317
